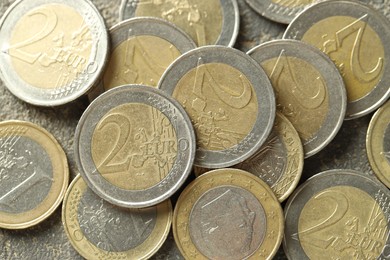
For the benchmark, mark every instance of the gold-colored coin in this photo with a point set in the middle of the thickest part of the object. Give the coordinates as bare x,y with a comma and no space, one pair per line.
378,143
34,174
100,230
228,214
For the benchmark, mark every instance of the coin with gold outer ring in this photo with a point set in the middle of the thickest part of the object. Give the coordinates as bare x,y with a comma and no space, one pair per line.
378,143
34,174
99,230
228,214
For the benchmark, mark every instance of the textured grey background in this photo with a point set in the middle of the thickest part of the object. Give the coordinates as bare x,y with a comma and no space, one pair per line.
48,240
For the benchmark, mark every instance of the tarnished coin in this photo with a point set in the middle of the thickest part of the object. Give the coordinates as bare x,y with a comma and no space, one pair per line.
282,11
279,162
229,99
34,174
134,146
378,143
142,49
309,90
52,51
356,38
208,22
100,230
228,214
338,214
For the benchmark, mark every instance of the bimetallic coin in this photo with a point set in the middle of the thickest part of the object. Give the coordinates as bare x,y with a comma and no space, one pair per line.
282,11
228,214
34,174
309,90
279,162
142,49
338,214
134,146
229,99
355,37
208,22
378,143
100,230
53,51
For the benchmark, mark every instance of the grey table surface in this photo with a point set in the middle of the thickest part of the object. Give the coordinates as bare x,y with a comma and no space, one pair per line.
48,239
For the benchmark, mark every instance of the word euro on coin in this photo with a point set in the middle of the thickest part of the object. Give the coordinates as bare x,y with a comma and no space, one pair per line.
309,90
378,143
142,49
229,99
134,146
100,230
34,174
355,37
228,214
338,214
207,22
52,52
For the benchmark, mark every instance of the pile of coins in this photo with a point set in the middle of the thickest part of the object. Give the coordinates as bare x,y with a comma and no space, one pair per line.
169,99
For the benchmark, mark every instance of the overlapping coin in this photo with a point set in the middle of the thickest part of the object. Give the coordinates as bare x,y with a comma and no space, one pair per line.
378,143
228,214
100,230
134,146
206,21
52,52
355,37
338,214
34,174
229,99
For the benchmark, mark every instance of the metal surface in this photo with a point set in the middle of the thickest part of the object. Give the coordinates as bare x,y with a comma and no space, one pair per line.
48,239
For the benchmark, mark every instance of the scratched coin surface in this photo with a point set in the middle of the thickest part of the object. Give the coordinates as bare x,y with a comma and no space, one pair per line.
378,143
100,230
228,214
309,90
229,99
207,22
134,146
355,37
52,52
34,174
282,11
338,214
141,50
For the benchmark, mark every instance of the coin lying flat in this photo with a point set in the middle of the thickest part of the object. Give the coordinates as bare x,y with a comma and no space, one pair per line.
208,22
34,174
228,214
134,146
100,230
338,214
309,90
52,52
378,143
355,37
142,49
282,11
229,99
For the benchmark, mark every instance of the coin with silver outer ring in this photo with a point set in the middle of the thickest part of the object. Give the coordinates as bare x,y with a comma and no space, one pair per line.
134,146
52,52
230,101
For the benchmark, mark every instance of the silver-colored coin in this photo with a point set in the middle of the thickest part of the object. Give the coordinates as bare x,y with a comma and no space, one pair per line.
208,22
141,50
309,90
282,11
52,52
355,37
229,99
340,214
134,146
